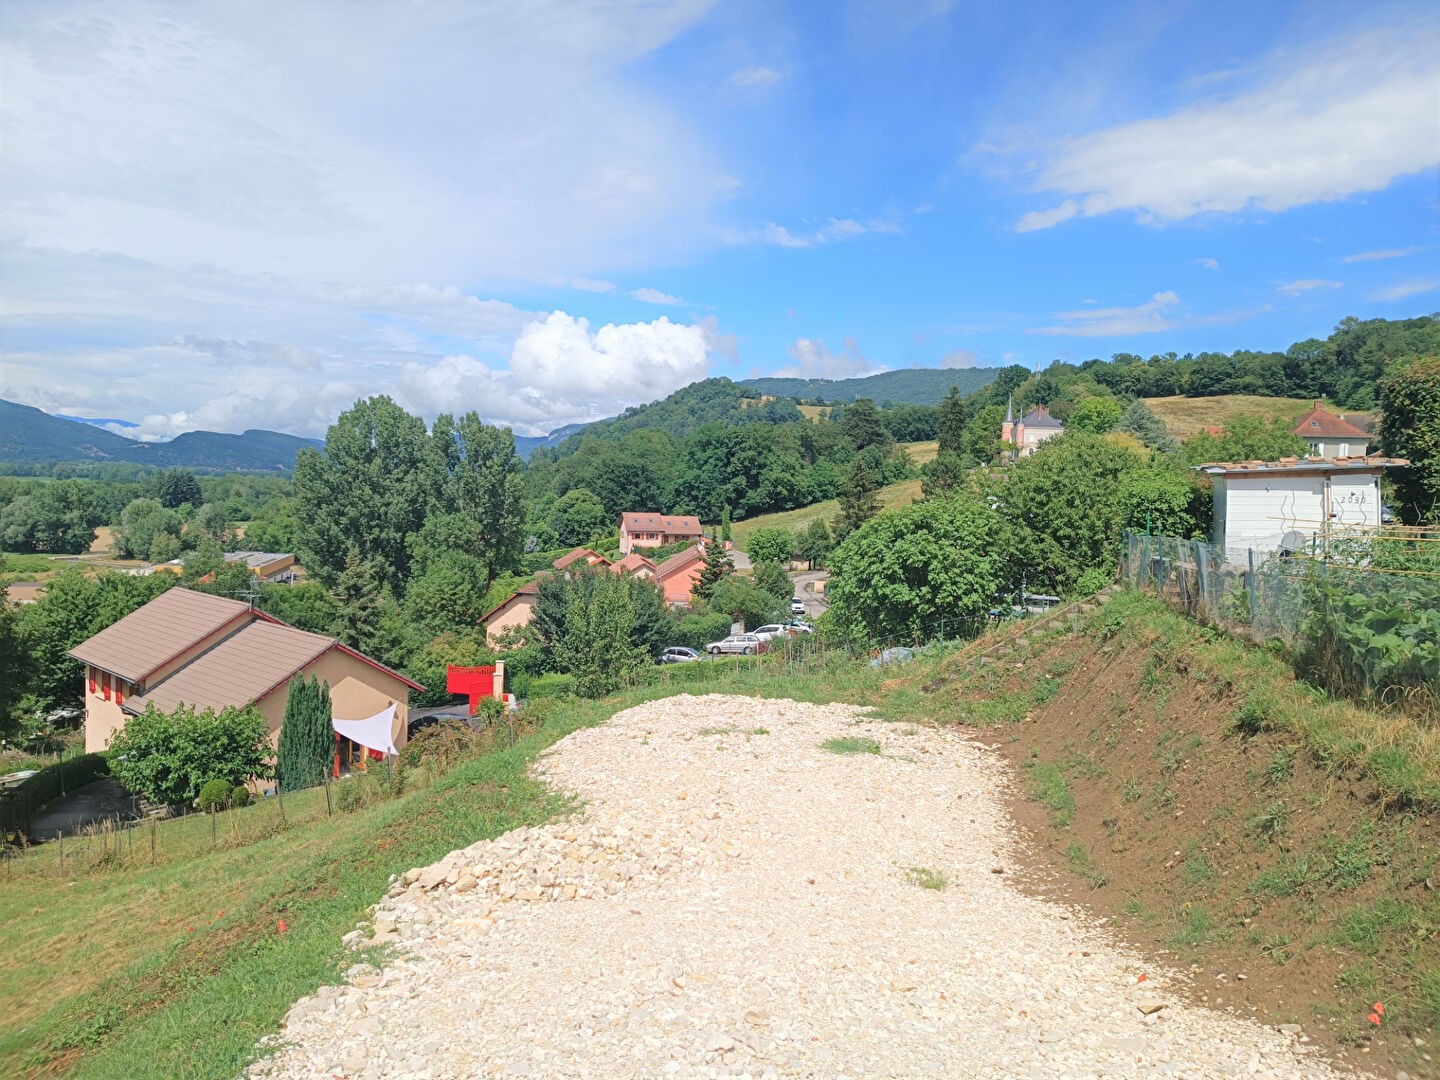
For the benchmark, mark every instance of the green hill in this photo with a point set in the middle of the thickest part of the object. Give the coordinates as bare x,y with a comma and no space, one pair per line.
30,435
911,386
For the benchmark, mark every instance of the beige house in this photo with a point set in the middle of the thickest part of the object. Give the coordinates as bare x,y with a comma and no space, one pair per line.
1331,436
591,558
635,565
656,530
210,652
514,611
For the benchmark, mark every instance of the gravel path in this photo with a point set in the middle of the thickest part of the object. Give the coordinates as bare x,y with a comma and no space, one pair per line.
738,901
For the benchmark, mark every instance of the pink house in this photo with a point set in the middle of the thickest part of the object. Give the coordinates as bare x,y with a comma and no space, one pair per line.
679,574
656,530
1026,434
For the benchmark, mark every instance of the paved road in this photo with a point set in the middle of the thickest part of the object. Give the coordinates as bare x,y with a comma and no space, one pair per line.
815,602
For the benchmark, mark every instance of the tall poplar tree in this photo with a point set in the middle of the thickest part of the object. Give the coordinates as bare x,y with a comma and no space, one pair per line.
950,424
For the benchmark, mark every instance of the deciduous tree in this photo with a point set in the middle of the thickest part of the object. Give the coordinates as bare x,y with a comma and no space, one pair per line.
1410,429
774,544
167,757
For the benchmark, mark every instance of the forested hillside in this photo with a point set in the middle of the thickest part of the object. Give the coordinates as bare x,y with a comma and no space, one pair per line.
910,386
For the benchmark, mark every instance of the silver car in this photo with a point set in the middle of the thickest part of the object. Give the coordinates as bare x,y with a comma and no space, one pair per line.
735,643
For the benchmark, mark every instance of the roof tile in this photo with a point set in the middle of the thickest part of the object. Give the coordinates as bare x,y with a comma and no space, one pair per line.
158,632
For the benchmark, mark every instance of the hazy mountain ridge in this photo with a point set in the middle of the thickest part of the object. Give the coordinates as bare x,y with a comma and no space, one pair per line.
908,386
29,434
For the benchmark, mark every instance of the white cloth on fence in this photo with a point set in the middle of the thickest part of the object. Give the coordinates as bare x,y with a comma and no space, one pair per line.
373,733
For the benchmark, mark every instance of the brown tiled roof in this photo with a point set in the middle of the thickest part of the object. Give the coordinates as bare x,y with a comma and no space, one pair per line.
1319,424
631,563
679,561
164,628
243,668
579,553
666,523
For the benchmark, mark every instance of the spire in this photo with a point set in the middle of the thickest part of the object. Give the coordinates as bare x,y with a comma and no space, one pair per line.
1009,410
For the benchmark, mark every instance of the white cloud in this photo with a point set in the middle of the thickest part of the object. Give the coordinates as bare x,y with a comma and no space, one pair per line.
1208,264
834,230
1405,290
1295,288
1147,318
1346,116
756,77
655,296
1375,256
812,360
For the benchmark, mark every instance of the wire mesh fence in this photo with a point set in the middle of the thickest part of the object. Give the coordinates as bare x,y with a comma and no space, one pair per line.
1358,613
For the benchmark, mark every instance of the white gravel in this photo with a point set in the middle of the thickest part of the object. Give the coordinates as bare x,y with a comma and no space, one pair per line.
740,904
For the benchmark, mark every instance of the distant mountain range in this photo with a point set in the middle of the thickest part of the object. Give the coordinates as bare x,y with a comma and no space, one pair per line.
30,435
909,386
27,434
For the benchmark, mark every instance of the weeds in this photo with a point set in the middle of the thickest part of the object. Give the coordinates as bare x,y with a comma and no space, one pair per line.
1198,873
1276,947
1084,866
1281,767
1349,862
1364,926
1198,928
925,878
1271,821
1292,875
1049,786
851,745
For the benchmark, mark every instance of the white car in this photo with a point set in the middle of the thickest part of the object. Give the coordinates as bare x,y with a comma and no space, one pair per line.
797,606
770,630
736,643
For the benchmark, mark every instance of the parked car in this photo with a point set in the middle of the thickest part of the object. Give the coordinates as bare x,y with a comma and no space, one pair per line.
736,643
770,630
797,606
801,626
679,654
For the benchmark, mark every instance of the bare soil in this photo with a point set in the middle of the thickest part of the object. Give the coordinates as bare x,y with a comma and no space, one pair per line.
1292,893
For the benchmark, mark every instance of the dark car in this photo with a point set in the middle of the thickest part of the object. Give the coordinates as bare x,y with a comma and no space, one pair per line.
679,654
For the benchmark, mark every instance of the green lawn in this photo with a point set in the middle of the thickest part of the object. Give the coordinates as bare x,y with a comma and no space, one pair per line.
901,494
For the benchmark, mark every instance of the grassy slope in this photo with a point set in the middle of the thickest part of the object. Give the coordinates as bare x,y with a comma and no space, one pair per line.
901,494
1185,416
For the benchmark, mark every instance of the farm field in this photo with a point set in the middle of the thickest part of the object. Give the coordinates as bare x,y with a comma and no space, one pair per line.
1186,416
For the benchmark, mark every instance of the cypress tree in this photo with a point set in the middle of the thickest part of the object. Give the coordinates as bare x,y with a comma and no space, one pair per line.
307,741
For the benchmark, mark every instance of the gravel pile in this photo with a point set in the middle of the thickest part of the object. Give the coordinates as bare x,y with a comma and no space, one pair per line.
737,901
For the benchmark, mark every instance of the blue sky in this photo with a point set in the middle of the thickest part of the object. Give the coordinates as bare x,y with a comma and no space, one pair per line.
231,216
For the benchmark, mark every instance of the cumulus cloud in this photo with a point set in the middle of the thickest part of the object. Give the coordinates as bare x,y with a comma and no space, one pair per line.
1406,290
1342,117
812,360
1147,318
1304,285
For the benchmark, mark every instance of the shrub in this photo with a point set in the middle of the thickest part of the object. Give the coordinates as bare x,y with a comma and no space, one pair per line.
240,796
214,795
359,791
550,686
441,745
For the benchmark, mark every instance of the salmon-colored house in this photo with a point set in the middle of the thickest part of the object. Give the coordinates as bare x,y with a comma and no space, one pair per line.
635,565
679,574
591,558
210,652
656,530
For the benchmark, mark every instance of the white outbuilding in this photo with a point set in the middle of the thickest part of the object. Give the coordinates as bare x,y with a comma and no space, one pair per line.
1288,504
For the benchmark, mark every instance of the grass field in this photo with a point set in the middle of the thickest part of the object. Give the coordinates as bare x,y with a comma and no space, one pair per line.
921,452
31,566
1185,416
813,412
901,494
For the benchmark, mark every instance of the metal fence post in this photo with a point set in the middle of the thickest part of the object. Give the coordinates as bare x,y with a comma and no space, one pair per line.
1250,585
1202,574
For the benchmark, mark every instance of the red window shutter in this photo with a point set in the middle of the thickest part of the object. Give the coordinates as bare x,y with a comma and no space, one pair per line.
119,692
105,684
92,679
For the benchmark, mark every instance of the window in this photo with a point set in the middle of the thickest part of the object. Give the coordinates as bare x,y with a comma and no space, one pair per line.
1314,423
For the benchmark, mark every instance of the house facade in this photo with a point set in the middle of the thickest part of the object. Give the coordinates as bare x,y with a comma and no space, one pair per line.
678,575
580,555
212,652
657,530
1026,434
1331,436
516,610
1269,506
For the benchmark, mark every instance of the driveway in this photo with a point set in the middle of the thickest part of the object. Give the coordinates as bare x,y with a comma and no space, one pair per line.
83,806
